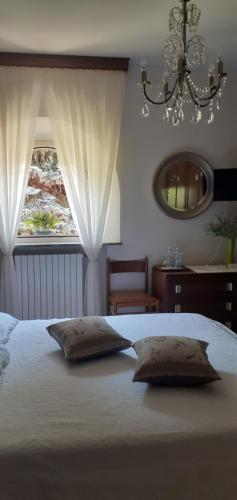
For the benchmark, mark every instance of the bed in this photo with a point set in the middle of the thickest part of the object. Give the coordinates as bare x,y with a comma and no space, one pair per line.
87,432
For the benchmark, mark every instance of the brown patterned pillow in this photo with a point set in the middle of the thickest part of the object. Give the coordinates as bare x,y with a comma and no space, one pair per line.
173,361
87,337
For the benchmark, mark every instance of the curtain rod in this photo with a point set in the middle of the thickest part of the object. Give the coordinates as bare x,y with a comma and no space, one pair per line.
63,61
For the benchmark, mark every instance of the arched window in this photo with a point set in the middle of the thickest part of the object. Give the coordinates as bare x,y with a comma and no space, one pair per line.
46,198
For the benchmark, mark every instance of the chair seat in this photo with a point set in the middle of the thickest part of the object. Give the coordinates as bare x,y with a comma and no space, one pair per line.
132,298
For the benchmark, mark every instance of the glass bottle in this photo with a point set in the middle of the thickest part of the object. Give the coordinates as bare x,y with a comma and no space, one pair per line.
170,257
178,258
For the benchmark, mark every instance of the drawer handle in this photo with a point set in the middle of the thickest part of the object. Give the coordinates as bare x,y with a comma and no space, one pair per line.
177,308
178,289
228,306
229,287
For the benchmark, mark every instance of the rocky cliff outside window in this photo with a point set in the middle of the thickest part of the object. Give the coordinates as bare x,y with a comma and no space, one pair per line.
46,211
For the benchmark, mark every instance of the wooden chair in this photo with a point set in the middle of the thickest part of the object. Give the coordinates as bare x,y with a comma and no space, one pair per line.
129,298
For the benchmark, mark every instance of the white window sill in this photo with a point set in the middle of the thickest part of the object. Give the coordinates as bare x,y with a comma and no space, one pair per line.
55,240
47,240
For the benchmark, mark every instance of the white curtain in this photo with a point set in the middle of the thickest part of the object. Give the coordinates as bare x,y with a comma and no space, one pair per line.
19,105
85,109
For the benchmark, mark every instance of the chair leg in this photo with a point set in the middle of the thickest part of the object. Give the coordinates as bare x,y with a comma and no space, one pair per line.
114,310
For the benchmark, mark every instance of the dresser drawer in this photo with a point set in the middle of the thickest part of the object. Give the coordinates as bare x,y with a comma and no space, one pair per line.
218,285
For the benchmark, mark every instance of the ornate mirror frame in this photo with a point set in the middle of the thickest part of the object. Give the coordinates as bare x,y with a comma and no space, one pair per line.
161,175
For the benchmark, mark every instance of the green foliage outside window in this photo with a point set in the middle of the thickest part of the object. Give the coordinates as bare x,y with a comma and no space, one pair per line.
42,220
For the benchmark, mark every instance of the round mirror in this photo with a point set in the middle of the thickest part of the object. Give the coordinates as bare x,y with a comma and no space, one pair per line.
183,185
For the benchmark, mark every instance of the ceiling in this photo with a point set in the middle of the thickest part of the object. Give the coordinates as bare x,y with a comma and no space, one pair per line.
126,28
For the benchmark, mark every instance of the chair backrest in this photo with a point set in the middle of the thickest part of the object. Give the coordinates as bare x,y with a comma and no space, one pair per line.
127,266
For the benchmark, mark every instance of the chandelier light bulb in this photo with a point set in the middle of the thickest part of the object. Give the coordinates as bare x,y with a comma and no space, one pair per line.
143,63
181,55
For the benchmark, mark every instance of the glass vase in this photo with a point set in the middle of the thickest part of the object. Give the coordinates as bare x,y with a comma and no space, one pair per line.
230,249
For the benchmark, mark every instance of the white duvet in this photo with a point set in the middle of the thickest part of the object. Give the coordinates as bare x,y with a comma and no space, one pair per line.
87,432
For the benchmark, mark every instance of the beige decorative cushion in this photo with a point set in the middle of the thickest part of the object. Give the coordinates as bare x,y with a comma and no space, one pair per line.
87,337
173,361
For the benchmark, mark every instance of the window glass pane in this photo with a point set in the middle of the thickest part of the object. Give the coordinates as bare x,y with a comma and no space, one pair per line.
46,210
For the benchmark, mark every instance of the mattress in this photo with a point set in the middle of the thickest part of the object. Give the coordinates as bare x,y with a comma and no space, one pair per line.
87,432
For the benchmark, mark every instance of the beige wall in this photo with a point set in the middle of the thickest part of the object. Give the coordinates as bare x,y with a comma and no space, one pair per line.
145,229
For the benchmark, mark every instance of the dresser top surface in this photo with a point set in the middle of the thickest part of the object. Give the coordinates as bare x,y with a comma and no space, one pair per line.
220,268
200,269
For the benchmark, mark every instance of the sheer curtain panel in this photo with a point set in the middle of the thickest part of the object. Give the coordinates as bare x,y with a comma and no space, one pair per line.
85,109
19,106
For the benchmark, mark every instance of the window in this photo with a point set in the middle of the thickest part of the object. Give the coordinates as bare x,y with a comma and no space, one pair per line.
44,164
46,211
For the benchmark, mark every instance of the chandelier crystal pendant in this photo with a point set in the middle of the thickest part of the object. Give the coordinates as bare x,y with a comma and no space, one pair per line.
181,56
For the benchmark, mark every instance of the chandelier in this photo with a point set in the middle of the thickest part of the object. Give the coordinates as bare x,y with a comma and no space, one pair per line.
181,56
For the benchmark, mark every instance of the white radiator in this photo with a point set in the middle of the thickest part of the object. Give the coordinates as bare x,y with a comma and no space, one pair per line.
51,286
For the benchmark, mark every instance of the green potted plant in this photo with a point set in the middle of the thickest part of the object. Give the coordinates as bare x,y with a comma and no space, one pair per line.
227,228
43,221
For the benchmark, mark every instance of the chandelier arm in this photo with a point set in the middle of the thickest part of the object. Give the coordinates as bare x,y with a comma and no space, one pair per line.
194,98
197,100
167,99
212,94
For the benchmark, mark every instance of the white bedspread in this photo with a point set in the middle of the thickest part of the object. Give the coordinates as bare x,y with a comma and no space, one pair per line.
87,432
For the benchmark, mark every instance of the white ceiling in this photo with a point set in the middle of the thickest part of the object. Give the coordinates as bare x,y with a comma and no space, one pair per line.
126,28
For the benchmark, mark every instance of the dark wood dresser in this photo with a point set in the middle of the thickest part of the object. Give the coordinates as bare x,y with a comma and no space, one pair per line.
213,294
